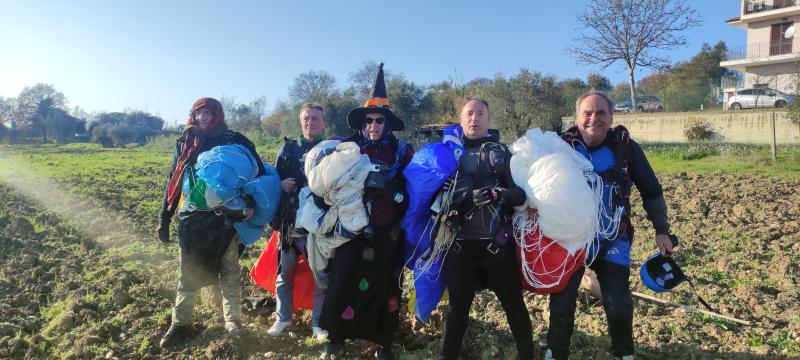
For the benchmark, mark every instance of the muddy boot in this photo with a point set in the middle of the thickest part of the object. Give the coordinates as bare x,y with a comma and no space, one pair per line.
234,328
175,333
333,350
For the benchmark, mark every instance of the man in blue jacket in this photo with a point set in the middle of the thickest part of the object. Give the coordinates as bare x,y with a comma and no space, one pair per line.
622,164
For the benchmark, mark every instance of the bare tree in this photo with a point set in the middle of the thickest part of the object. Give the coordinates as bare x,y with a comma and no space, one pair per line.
632,31
312,86
362,79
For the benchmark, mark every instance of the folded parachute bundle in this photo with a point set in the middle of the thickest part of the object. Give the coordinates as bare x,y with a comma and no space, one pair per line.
562,186
225,177
336,172
425,174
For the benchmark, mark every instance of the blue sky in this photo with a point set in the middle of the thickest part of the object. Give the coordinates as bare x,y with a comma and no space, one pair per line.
163,55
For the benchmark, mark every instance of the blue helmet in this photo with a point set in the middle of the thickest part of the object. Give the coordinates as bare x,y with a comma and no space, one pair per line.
661,273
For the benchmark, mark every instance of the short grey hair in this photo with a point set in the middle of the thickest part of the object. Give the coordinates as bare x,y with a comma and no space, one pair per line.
590,93
478,99
314,106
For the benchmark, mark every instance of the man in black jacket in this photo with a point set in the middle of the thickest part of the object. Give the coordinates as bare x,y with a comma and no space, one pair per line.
289,164
482,255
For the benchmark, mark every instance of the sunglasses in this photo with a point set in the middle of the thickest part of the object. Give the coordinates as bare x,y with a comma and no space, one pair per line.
378,121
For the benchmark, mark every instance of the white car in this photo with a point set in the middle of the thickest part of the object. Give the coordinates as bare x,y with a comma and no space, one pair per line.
758,98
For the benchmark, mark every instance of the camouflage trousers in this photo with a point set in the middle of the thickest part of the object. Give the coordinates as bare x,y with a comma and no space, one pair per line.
228,284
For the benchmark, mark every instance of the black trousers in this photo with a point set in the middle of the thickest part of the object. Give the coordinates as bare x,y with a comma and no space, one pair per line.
617,303
470,266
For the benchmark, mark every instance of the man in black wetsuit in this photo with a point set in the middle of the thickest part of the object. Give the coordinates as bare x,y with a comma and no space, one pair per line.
482,255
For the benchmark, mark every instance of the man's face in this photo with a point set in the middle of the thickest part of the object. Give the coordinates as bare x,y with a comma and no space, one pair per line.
203,117
312,124
475,119
373,123
594,120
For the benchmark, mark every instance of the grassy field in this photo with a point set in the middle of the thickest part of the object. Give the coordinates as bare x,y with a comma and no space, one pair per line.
83,275
710,157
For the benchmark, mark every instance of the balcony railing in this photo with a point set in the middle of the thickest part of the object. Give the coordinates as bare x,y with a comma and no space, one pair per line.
761,50
731,82
755,6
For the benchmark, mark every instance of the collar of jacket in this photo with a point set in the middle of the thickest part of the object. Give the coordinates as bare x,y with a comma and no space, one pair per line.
493,136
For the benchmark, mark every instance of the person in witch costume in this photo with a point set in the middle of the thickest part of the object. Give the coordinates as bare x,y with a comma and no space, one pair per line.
209,246
363,296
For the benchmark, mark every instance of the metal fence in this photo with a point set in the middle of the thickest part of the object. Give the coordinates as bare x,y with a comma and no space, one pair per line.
760,50
755,6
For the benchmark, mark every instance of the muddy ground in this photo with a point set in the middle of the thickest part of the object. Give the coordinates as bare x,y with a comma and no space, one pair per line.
83,276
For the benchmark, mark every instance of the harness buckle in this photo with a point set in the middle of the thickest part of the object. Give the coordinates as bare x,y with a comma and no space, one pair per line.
492,248
455,247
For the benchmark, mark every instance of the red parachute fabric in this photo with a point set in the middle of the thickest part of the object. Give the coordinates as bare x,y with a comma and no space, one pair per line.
265,272
549,262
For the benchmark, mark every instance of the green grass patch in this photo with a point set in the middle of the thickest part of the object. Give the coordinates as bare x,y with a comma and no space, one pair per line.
713,157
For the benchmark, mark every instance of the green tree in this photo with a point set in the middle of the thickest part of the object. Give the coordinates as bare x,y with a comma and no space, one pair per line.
119,129
526,100
621,92
34,105
571,89
599,83
408,101
244,117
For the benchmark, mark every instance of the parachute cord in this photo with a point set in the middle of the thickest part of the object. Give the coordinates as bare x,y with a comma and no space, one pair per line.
442,240
524,227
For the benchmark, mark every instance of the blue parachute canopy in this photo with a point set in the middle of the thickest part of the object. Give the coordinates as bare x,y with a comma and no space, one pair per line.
266,192
425,174
223,176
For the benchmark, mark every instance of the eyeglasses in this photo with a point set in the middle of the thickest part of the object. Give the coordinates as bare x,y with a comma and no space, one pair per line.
203,112
378,121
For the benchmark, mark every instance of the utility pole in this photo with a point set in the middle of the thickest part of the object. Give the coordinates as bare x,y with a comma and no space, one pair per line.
774,144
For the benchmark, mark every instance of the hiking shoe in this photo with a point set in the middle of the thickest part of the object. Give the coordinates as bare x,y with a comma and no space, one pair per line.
174,333
333,350
278,327
318,333
384,354
234,328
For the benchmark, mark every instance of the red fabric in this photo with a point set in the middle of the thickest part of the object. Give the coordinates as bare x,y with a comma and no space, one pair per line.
265,272
548,263
193,141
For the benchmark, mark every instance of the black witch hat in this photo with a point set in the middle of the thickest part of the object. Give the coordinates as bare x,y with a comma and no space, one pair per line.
377,103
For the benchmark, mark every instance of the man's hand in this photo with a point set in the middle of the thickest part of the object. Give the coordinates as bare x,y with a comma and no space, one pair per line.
288,185
488,195
163,232
664,244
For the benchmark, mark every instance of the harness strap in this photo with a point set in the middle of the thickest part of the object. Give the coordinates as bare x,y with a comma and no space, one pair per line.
699,298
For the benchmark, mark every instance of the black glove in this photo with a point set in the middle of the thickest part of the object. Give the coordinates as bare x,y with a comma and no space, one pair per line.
163,231
488,195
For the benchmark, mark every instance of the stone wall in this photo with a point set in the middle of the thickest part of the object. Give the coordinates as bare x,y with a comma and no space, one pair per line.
741,126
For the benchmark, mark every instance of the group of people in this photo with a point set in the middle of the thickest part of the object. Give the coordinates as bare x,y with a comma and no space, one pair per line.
358,295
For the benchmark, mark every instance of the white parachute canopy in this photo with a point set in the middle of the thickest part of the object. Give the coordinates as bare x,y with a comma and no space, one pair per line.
336,172
561,184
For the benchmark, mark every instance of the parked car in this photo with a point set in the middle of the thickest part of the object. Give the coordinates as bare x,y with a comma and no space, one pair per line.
643,103
758,98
